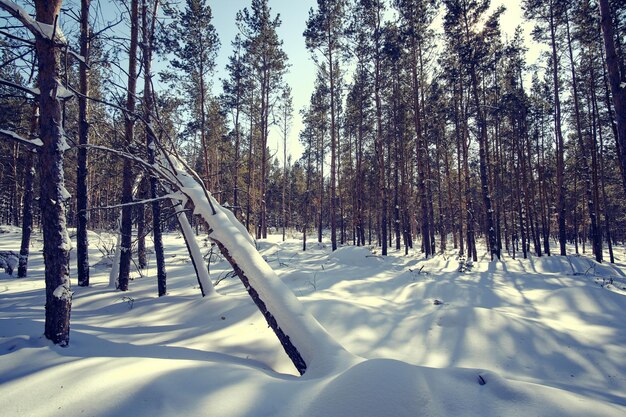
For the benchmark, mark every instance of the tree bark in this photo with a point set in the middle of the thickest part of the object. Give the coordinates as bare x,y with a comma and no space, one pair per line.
617,81
127,173
56,242
148,33
27,202
82,243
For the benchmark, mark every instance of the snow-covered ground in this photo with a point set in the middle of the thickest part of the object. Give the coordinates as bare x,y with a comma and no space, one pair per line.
538,337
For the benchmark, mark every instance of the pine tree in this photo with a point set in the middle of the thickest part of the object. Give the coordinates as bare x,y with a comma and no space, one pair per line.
233,98
268,64
462,25
127,173
548,17
192,39
324,32
285,117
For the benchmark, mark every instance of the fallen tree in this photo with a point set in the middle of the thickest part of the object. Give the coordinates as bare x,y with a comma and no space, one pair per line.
303,338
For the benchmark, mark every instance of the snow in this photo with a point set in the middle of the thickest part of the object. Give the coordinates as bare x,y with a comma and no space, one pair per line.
204,279
62,144
64,194
320,352
355,256
546,336
61,92
63,291
37,28
34,142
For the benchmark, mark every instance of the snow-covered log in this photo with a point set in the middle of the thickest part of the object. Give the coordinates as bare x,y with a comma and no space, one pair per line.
204,280
305,341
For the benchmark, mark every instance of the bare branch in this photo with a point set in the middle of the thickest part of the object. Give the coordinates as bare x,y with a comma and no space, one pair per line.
17,38
173,196
32,91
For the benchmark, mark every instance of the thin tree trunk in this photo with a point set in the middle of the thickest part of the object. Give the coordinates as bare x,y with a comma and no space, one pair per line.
333,151
560,146
82,244
148,33
27,203
126,225
142,262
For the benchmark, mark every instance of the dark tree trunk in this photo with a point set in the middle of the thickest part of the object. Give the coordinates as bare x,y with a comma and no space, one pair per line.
490,231
262,221
140,211
56,242
560,145
127,174
380,153
459,135
616,81
307,195
148,33
333,152
596,235
27,202
250,162
605,203
321,190
82,244
420,157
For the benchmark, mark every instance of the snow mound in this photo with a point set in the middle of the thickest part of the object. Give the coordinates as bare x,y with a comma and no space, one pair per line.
386,387
355,256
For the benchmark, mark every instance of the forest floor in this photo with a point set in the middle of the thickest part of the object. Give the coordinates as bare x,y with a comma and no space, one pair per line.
519,337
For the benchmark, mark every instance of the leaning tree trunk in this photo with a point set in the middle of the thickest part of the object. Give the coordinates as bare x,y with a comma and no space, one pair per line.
305,341
195,254
56,242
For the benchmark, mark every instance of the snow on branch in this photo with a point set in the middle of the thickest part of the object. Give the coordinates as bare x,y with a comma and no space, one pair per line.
14,136
39,29
32,91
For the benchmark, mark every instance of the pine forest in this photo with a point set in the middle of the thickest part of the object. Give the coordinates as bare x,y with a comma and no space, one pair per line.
326,207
